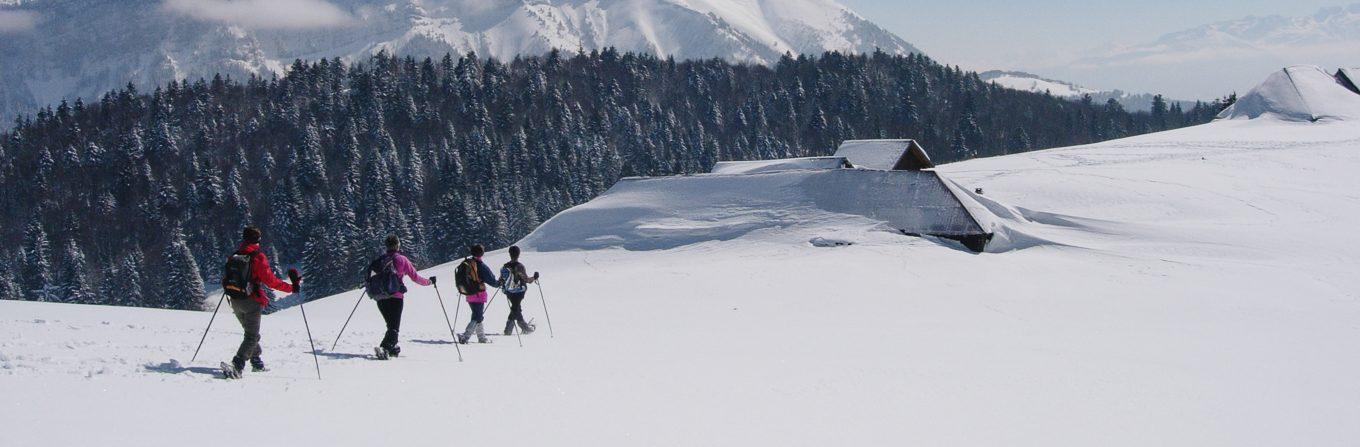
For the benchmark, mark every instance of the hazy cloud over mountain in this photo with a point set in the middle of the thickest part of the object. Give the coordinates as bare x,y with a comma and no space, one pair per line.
17,21
263,14
1219,58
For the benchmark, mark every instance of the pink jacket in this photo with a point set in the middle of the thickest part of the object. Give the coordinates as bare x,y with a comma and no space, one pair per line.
406,270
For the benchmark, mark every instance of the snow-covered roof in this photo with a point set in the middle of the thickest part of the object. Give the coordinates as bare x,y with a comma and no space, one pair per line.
666,212
1299,93
885,155
786,164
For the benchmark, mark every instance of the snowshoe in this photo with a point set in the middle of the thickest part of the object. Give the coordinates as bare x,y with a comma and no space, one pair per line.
230,372
483,339
380,353
462,339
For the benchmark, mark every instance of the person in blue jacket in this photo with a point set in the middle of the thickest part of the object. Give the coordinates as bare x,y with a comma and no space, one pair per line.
473,275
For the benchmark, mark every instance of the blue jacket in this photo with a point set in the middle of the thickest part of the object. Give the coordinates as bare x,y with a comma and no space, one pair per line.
486,275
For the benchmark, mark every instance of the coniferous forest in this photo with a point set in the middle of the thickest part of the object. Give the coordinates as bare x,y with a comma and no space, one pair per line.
137,197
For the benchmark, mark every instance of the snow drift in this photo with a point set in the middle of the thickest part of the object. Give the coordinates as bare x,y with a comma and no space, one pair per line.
786,164
1299,93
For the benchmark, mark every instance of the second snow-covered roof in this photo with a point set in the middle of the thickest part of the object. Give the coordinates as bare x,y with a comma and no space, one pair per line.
885,155
1299,93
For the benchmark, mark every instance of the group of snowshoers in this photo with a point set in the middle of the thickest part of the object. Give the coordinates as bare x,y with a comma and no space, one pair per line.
248,273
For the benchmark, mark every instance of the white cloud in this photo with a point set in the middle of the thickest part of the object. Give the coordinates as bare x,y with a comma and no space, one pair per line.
17,21
263,14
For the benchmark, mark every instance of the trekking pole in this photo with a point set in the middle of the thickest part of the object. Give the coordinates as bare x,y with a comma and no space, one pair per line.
492,300
303,308
519,334
351,315
545,308
210,322
450,323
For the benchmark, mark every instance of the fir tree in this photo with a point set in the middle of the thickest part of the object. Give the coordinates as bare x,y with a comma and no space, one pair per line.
181,287
37,263
74,286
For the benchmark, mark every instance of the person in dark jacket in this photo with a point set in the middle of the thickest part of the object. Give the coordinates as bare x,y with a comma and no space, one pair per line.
248,310
515,281
476,299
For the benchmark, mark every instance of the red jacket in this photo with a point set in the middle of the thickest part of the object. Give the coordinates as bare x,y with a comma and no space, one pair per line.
262,274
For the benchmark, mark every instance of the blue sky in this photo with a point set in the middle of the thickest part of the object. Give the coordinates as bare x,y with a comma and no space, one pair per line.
987,34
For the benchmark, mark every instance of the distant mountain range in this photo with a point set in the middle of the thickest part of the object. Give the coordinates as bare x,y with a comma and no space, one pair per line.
57,49
1020,80
1225,56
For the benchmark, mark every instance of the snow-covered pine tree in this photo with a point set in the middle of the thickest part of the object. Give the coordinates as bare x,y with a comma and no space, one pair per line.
181,287
324,259
73,285
122,285
36,274
9,289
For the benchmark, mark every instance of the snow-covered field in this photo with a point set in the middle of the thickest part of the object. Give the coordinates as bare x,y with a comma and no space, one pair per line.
1194,288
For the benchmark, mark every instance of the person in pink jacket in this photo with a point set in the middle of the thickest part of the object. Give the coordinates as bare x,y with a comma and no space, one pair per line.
387,272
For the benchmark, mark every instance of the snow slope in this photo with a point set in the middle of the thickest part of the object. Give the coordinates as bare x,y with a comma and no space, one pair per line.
83,48
1032,83
1193,287
1018,80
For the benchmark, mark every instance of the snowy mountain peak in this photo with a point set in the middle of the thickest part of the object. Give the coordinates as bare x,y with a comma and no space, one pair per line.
86,48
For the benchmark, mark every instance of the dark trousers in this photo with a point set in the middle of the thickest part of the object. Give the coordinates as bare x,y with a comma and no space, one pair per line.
391,312
516,311
248,313
478,311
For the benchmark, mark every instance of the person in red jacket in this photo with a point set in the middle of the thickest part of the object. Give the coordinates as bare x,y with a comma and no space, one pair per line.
248,311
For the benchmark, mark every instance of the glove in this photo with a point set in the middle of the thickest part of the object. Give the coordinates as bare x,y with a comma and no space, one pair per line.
297,280
434,280
535,275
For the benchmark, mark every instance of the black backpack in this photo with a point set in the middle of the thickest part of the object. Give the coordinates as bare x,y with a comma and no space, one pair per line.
383,282
237,279
467,277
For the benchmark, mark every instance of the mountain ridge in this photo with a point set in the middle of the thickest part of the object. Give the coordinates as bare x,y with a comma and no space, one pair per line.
82,48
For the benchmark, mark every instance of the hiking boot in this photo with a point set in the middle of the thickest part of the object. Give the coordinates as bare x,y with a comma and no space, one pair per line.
510,328
394,351
257,365
462,339
239,364
483,339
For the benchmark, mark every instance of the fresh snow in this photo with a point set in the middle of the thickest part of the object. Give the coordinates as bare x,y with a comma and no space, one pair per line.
1193,287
